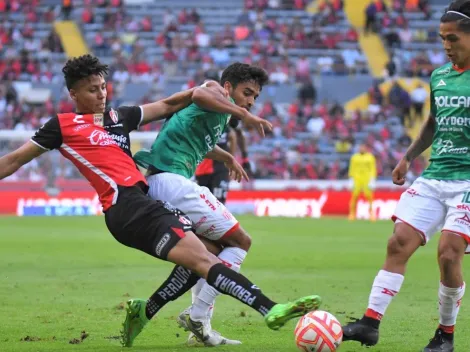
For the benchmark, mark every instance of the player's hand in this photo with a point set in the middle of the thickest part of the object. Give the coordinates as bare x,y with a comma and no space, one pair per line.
235,170
260,124
399,173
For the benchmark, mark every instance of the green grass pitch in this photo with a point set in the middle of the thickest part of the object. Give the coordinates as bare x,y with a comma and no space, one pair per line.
62,276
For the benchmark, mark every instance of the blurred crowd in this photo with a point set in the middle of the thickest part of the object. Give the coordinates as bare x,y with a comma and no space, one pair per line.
405,37
327,136
319,129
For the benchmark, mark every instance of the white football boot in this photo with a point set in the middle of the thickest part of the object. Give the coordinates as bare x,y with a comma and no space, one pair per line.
201,332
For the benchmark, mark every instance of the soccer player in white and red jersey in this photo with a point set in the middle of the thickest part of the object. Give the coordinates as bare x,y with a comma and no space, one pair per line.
97,142
439,199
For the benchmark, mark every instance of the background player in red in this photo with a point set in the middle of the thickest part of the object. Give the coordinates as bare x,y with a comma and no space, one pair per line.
97,142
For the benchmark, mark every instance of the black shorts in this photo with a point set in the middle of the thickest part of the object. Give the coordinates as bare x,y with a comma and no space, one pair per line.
140,222
217,183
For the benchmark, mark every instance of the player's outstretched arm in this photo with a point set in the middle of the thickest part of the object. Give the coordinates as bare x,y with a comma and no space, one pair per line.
212,99
11,162
166,107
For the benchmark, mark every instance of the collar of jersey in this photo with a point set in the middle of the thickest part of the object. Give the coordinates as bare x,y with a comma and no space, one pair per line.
461,70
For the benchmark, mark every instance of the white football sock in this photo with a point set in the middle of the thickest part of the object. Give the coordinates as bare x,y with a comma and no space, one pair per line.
449,304
386,285
232,257
196,289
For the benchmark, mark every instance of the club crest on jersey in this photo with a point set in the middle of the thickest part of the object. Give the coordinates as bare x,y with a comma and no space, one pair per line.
113,115
98,120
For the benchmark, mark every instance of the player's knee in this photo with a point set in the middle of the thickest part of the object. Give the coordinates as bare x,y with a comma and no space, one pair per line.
395,245
204,262
399,245
239,239
448,256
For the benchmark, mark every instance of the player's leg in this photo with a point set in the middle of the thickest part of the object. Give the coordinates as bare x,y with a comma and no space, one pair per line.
453,244
417,216
211,218
356,191
236,242
369,195
162,231
217,183
188,253
451,290
174,286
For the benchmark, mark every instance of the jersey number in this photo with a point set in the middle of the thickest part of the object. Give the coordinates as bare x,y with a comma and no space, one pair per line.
466,198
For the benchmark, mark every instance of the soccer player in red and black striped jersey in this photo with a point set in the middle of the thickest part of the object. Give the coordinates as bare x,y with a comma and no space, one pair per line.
97,142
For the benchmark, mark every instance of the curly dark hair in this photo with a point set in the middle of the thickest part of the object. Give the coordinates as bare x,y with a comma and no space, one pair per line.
240,73
82,67
458,11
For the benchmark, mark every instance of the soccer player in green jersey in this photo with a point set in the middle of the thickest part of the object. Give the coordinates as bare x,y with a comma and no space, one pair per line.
184,141
439,199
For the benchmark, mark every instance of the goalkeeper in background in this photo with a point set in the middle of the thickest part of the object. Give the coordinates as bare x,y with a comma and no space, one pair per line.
362,175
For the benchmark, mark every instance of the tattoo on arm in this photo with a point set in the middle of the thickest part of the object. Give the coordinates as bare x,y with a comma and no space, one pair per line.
423,141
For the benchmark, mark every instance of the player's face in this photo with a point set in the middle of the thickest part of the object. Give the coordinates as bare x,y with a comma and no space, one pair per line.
456,44
245,94
89,95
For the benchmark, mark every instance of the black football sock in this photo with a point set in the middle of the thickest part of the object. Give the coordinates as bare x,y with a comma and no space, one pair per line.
231,283
178,283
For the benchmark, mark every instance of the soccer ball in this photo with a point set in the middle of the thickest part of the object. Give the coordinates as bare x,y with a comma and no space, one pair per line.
318,331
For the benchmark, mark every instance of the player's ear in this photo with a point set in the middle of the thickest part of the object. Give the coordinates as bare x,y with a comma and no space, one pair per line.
73,94
228,86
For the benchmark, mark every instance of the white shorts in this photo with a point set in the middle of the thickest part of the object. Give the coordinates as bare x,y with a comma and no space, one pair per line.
211,218
432,205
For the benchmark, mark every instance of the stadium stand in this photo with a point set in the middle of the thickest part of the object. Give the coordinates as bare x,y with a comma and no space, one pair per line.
151,45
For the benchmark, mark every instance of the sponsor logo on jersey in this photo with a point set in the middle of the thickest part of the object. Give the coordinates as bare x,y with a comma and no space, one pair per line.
447,147
113,115
441,83
444,71
101,138
78,119
162,243
81,127
453,121
114,126
452,102
98,120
